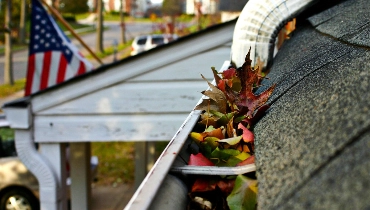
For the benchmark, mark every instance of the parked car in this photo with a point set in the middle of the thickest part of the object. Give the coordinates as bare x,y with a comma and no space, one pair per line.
19,188
146,42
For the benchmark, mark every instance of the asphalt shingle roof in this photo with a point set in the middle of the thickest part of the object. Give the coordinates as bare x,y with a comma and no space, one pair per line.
312,147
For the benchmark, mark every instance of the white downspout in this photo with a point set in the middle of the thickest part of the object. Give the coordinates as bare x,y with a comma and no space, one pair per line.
258,26
21,120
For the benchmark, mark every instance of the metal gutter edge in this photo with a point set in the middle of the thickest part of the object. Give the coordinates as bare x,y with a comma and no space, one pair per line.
147,190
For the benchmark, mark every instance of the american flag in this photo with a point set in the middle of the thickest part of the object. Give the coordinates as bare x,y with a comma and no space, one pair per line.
52,56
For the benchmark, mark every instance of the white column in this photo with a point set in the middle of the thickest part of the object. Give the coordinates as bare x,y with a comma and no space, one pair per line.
144,160
80,176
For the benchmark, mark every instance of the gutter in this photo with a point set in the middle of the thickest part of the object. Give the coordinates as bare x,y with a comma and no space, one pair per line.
257,28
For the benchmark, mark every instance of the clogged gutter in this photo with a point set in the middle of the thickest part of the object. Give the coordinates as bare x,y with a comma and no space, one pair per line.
228,116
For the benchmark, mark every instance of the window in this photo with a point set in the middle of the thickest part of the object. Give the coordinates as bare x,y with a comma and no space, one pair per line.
141,41
157,40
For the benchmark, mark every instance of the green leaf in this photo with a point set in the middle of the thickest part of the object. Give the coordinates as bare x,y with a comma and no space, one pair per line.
244,194
243,156
216,113
239,119
232,141
206,150
236,84
212,142
231,162
224,119
221,156
209,129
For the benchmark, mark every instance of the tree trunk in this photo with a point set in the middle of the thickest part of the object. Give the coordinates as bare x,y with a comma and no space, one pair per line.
22,30
8,67
99,35
122,19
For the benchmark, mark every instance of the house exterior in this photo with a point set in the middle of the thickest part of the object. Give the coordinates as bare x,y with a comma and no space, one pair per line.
143,99
228,9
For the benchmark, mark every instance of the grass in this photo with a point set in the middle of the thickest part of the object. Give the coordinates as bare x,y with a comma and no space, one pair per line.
7,133
6,89
110,50
116,162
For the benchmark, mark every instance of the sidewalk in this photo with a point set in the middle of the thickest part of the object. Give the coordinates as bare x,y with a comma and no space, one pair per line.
111,198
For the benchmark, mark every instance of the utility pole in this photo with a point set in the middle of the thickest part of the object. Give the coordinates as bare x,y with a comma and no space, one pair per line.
8,67
22,30
122,19
99,35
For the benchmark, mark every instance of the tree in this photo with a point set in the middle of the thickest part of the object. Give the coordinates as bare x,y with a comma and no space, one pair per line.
8,68
22,23
74,6
172,8
16,24
99,28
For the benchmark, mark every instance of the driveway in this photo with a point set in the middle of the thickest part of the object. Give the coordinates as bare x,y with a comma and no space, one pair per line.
111,198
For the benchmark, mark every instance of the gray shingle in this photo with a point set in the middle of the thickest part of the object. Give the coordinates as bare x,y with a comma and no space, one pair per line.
348,21
319,118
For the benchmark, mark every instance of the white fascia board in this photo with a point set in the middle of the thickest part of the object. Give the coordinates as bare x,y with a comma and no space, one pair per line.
18,117
134,98
133,67
82,128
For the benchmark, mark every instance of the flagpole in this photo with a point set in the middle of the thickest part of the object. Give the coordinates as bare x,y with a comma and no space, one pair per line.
60,18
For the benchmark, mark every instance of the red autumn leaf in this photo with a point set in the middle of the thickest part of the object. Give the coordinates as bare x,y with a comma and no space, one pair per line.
245,98
247,135
221,85
247,161
229,73
206,184
203,185
250,77
253,102
199,160
226,185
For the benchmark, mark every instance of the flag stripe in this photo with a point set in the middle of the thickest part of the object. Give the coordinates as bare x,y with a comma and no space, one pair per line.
62,70
30,74
45,70
54,67
81,69
38,64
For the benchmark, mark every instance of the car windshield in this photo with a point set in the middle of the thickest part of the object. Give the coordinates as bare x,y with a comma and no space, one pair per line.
158,40
141,41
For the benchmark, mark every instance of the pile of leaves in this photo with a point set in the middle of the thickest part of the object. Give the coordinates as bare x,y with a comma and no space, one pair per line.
228,114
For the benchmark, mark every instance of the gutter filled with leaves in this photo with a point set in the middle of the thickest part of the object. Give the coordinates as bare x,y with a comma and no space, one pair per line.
221,162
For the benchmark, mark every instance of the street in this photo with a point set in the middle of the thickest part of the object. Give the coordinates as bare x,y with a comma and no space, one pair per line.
111,34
